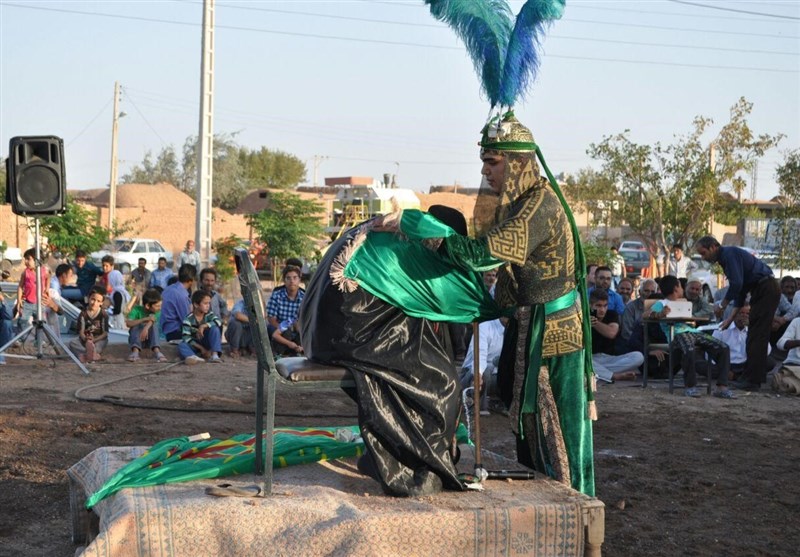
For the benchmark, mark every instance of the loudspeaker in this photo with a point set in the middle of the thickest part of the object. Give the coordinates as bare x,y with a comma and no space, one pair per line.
36,178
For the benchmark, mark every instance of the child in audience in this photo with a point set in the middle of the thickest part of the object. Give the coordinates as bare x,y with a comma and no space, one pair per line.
142,323
201,332
92,329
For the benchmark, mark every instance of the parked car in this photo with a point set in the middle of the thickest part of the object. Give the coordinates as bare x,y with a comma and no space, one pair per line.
632,245
635,261
704,272
127,251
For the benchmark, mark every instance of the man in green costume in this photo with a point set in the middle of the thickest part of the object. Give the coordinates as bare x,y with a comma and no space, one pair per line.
545,370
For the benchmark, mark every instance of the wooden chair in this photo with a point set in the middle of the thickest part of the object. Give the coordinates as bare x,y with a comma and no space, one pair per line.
296,372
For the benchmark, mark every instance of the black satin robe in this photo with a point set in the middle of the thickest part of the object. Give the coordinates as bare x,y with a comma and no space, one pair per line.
406,382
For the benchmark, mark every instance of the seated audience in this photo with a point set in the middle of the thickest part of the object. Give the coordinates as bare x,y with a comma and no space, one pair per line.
92,328
788,309
700,305
602,281
735,337
688,339
284,303
208,283
160,277
238,334
490,343
605,328
176,303
142,323
201,332
625,289
632,315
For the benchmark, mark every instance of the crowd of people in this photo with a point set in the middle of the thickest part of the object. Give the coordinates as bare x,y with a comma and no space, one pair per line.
154,307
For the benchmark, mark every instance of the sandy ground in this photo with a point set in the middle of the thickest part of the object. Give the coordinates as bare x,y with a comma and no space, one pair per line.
679,476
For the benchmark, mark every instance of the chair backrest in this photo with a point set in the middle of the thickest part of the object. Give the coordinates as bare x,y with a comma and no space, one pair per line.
254,303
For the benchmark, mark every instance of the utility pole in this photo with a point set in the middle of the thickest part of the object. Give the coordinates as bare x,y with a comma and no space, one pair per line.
205,144
317,161
112,183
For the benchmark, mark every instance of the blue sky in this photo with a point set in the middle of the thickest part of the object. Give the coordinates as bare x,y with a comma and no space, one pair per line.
381,86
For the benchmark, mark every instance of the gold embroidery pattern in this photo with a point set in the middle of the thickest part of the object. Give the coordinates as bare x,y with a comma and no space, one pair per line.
510,242
562,335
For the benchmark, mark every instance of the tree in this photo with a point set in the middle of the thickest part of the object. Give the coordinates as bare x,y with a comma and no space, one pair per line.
671,193
595,193
786,232
230,185
3,179
165,169
289,225
77,229
271,169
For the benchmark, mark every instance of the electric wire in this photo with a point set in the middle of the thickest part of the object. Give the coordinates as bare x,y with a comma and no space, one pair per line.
92,121
721,8
146,121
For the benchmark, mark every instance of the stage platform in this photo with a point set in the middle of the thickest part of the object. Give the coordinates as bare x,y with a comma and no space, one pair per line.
328,508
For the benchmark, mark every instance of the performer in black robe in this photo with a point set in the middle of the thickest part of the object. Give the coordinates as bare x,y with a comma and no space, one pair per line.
406,383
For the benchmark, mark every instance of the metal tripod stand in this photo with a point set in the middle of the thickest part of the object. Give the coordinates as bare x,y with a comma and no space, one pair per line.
40,327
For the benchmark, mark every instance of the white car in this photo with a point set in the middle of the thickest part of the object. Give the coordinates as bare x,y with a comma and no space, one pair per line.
632,245
127,251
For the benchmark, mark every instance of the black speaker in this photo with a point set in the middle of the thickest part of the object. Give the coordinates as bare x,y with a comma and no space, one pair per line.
36,178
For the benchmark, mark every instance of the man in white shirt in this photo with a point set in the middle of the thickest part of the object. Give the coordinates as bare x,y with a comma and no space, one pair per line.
489,347
788,309
679,265
790,341
735,337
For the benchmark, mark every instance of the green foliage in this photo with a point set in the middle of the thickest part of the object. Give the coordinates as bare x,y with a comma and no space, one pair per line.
271,169
225,266
237,170
3,178
165,169
670,193
596,254
788,177
77,229
289,225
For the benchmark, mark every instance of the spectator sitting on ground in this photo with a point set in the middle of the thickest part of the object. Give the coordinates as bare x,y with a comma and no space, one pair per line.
625,290
736,339
26,289
490,280
788,309
51,298
140,276
142,323
605,328
238,333
201,332
92,328
688,339
159,278
176,304
116,292
490,344
700,305
284,303
189,256
86,271
632,316
208,283
286,339
790,342
602,281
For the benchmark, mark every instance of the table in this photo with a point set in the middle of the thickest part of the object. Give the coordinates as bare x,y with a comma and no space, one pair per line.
671,322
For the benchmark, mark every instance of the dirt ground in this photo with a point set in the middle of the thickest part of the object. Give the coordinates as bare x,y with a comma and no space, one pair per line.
678,476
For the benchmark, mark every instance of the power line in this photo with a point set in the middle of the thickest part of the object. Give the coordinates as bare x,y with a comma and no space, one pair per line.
764,14
127,96
673,14
397,43
92,121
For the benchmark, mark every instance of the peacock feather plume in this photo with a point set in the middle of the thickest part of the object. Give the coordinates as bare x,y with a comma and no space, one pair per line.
485,27
504,53
522,56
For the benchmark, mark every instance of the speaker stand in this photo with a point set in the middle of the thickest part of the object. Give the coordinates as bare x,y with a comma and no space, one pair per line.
39,326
